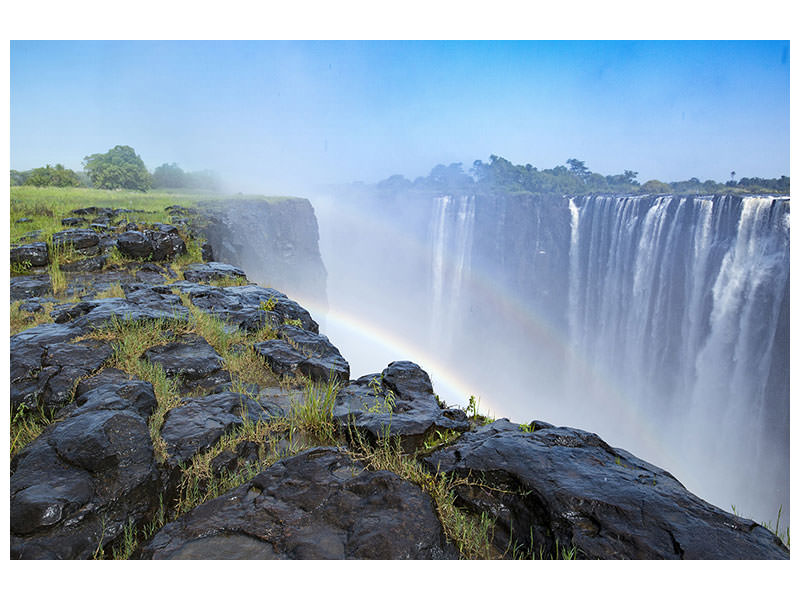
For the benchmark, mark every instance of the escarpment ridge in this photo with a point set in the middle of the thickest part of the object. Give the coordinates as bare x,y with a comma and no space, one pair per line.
163,406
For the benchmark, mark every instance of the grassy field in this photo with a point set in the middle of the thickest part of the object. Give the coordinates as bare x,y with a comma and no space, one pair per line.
45,207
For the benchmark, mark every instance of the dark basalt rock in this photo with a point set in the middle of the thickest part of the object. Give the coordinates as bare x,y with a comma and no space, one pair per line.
36,254
245,305
151,273
285,359
397,402
72,221
319,504
28,378
212,271
568,486
77,238
207,252
29,286
200,422
150,304
192,360
160,243
44,375
34,305
87,264
112,389
76,487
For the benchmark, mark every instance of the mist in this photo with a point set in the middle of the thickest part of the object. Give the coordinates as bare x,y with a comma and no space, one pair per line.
661,325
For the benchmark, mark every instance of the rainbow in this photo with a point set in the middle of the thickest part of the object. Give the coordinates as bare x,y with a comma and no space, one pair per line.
457,386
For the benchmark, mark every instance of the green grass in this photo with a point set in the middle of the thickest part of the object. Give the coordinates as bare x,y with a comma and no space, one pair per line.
26,425
46,206
471,535
314,414
20,320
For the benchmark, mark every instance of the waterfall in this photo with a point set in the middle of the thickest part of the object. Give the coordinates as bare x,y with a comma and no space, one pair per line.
678,302
451,255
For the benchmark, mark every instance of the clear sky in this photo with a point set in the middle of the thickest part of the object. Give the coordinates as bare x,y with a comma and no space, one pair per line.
277,117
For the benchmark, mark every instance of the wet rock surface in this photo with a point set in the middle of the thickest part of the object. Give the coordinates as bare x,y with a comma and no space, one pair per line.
397,402
139,304
200,422
211,271
29,286
35,254
79,239
567,485
301,352
75,488
192,360
162,242
38,379
248,306
316,505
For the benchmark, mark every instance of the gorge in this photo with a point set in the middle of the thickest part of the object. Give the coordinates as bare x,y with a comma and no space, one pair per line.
658,322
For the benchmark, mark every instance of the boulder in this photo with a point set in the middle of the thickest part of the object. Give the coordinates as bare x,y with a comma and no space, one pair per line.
212,271
160,243
72,221
397,402
83,480
77,238
565,486
285,359
192,360
200,422
36,254
319,504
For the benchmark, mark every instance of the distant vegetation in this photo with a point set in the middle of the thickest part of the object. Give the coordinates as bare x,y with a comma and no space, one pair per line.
118,169
574,178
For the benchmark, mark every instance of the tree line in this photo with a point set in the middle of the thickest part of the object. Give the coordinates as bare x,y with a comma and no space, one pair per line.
574,178
119,168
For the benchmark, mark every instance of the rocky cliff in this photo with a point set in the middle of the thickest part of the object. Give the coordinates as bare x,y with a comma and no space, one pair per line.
164,408
275,242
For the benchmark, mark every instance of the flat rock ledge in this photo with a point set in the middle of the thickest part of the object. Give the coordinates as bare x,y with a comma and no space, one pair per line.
398,402
319,504
565,485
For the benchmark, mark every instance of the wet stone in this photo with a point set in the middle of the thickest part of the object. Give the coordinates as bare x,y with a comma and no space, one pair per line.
36,254
29,286
399,402
192,360
319,504
81,482
77,238
566,486
212,271
200,422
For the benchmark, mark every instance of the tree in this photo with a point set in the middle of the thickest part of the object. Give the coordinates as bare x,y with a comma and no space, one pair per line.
578,168
169,176
654,186
120,167
56,176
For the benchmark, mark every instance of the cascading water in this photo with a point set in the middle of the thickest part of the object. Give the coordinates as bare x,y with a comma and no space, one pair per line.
679,303
451,244
660,323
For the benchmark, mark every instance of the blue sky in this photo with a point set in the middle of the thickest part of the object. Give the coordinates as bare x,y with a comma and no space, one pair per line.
278,117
